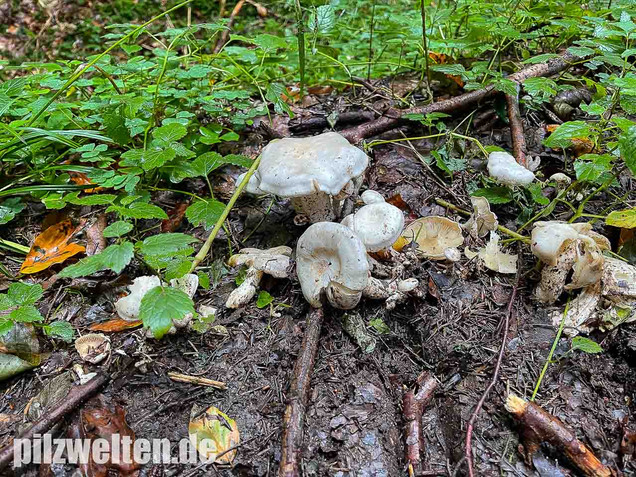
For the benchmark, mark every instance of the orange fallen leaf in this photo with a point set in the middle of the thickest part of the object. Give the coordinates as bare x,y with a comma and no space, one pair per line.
80,178
52,246
115,325
439,58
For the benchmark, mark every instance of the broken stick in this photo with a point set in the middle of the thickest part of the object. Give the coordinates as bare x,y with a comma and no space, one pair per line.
298,397
516,128
76,396
394,116
186,378
538,426
413,405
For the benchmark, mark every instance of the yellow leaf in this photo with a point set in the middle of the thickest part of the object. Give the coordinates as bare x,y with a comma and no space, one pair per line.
213,434
622,218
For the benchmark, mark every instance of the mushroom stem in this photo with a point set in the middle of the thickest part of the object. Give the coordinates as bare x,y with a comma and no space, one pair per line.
245,292
317,207
298,396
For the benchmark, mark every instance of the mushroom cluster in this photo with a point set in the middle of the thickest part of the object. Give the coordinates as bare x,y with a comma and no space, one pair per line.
317,173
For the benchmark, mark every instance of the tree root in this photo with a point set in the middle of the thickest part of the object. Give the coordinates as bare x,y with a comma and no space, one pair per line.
298,396
538,426
394,116
516,129
413,405
74,398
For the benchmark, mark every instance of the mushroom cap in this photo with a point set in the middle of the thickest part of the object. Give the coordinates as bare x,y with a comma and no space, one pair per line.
378,225
371,197
128,307
506,170
93,347
433,235
274,261
295,167
330,258
550,238
188,284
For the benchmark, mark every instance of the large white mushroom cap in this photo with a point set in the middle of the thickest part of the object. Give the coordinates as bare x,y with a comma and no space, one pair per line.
331,259
296,167
378,224
506,170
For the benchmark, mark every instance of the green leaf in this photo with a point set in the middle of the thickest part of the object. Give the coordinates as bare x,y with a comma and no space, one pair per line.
586,345
622,218
114,257
563,135
204,212
117,229
494,195
60,329
160,306
149,159
93,199
165,244
170,133
26,314
537,195
627,145
456,69
204,280
139,210
323,19
380,326
21,293
177,268
9,209
264,299
115,124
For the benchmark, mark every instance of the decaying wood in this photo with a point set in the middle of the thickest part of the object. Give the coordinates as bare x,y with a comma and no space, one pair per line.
413,405
538,426
74,398
393,116
516,129
185,378
298,397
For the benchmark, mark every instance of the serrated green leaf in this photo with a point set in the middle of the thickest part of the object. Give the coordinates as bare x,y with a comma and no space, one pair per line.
586,345
170,132
117,229
563,135
380,326
207,213
26,314
114,257
590,167
204,280
264,299
160,306
21,293
177,268
165,244
622,218
139,210
93,199
627,145
115,124
60,329
9,209
494,195
537,195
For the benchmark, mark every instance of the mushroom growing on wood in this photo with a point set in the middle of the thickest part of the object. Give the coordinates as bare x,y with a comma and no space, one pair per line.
435,237
332,260
318,173
273,261
378,223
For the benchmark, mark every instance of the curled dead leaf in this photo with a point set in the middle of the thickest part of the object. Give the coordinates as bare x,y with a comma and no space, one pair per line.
115,325
213,434
52,246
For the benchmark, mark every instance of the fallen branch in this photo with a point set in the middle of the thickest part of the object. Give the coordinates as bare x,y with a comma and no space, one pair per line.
298,397
74,398
413,405
226,33
516,128
394,116
185,378
468,450
538,426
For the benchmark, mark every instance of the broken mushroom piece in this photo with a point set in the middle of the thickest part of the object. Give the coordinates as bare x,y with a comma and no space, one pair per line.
93,347
482,219
434,236
318,173
378,224
392,291
492,256
188,284
332,260
274,262
504,169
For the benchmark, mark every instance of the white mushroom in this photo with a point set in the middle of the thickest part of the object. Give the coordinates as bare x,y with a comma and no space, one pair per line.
378,224
332,260
562,181
482,220
128,307
433,236
93,347
492,256
188,284
274,262
504,169
317,173
392,291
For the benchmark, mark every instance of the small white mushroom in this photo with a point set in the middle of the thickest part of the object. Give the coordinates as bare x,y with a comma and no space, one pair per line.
93,347
318,173
562,181
274,262
128,307
378,224
504,169
482,221
332,260
433,236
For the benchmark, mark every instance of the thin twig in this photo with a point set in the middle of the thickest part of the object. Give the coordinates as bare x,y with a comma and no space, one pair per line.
413,405
495,376
226,33
516,128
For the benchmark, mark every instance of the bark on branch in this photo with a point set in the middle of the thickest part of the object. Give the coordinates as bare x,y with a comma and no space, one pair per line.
516,129
393,116
413,405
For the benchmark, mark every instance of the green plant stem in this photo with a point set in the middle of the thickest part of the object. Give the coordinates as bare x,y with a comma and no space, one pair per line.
425,44
501,228
95,60
554,345
300,25
219,223
15,247
581,209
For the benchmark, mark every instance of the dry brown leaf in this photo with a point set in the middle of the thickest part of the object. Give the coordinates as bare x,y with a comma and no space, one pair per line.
52,246
115,325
